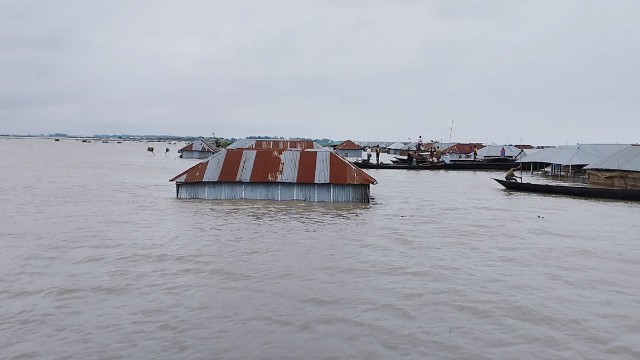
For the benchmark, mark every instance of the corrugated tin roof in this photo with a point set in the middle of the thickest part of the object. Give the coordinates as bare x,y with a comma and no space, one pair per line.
627,159
276,165
409,146
199,145
528,152
582,154
397,145
274,144
493,150
382,144
348,145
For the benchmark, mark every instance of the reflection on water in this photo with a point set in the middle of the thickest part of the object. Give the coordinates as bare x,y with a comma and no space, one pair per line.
100,260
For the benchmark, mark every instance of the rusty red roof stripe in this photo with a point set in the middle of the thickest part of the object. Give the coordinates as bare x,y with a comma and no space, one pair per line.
284,144
196,173
307,167
348,145
340,174
230,166
267,166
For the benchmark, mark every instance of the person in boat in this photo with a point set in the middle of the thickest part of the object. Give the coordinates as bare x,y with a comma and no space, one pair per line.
377,154
511,176
409,158
475,152
368,154
438,153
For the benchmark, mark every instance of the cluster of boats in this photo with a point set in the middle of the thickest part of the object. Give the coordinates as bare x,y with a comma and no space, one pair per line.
416,162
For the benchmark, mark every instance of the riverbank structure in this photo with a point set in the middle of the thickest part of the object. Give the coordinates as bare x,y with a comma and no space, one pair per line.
620,170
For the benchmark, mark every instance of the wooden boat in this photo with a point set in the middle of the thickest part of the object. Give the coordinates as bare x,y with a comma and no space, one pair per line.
581,191
438,166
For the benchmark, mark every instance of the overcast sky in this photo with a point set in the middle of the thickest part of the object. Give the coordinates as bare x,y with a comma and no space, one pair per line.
536,72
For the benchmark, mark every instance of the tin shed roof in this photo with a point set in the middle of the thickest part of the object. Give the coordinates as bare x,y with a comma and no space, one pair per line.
274,144
627,159
199,145
348,145
493,150
397,145
582,154
276,165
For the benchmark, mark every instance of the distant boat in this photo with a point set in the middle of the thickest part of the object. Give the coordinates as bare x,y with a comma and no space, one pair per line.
580,191
467,165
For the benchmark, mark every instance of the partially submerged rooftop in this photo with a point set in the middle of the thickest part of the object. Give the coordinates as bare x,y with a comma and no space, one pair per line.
276,174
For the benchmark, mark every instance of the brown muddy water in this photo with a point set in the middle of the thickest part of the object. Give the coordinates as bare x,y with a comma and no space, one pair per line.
100,260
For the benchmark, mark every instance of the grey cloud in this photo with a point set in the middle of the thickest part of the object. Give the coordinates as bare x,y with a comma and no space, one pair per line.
544,71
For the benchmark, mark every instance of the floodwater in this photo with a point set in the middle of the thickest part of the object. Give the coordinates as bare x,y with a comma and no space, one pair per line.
100,260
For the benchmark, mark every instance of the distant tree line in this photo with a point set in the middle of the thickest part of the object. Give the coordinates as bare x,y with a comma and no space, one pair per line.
217,140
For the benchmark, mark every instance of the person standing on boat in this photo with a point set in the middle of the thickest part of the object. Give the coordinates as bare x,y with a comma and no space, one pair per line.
419,143
377,154
511,176
438,153
368,154
475,152
502,152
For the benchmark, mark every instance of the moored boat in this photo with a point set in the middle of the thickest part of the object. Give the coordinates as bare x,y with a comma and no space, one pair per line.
479,165
580,191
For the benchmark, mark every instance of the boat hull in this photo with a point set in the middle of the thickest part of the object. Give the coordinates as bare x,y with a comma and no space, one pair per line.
438,166
580,191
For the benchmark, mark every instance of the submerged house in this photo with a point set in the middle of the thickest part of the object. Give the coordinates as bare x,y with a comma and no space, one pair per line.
620,170
275,174
274,144
199,149
349,149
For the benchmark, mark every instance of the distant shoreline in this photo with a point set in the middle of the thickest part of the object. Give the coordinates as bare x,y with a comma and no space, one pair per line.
143,138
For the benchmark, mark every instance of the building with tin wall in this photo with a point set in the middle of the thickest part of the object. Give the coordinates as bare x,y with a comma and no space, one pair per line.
199,149
275,174
620,170
349,149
